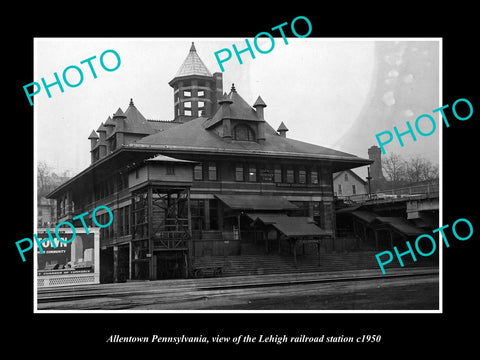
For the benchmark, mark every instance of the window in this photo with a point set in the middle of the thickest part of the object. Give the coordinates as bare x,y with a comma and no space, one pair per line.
303,208
197,208
187,93
187,104
302,176
346,177
243,133
212,171
252,172
277,174
354,189
266,173
201,93
239,172
339,189
290,175
113,143
201,104
126,220
213,214
198,172
319,214
314,177
170,169
187,112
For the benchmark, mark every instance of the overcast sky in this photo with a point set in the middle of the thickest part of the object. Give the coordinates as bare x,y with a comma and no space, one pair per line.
320,88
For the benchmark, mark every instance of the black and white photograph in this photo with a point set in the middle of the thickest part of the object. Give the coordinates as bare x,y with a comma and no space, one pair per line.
260,182
240,189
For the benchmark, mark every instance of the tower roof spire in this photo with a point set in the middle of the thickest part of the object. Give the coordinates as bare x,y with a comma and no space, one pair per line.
192,65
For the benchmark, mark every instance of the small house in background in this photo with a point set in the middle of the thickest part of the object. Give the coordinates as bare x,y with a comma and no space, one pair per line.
46,211
347,184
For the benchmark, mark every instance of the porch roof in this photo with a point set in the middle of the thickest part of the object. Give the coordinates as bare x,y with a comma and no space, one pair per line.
290,226
256,202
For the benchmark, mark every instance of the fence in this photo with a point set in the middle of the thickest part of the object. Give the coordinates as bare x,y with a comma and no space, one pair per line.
430,190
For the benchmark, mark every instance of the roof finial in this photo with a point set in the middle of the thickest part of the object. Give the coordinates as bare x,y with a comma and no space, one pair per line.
233,88
131,102
192,48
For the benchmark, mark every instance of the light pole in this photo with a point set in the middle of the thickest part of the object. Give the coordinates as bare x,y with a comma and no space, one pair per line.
369,186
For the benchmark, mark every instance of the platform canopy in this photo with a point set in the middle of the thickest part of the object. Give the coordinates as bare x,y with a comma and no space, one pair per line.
290,226
256,202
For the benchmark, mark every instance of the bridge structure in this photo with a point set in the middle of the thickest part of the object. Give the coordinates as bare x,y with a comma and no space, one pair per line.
389,218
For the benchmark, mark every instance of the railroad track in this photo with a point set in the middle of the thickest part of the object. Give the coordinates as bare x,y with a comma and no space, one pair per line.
194,288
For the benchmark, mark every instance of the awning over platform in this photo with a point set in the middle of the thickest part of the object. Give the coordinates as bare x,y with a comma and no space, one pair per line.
267,219
290,226
256,202
366,216
397,223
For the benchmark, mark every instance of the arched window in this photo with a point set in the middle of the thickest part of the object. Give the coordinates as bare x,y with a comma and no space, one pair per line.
244,133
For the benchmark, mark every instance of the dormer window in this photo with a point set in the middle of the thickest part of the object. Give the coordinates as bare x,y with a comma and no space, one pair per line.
243,133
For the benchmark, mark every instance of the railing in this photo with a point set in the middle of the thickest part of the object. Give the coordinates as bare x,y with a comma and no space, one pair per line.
430,190
171,240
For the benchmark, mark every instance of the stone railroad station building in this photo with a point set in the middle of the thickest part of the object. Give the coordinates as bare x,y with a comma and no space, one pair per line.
210,182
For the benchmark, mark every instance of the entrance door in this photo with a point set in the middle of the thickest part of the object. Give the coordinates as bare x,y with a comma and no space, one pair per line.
170,265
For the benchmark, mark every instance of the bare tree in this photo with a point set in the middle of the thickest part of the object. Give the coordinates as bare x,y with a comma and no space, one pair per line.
403,172
393,166
43,175
419,169
430,172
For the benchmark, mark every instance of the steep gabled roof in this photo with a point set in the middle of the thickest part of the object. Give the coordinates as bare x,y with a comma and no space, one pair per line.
162,125
135,122
282,127
238,109
102,127
93,135
352,173
192,65
193,136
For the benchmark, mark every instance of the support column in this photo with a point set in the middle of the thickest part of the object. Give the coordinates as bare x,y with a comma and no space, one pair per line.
295,252
265,237
206,210
115,263
130,254
239,231
279,238
191,246
152,275
318,251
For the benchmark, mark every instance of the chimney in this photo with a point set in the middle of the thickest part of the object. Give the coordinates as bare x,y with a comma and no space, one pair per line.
225,103
102,144
109,125
282,130
259,106
93,142
217,93
93,139
118,120
375,154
